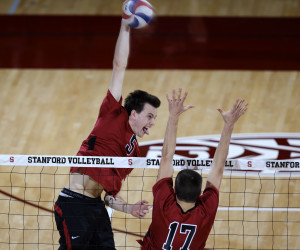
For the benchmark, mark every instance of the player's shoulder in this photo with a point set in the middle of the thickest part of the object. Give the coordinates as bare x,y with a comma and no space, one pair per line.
163,189
112,98
210,188
164,182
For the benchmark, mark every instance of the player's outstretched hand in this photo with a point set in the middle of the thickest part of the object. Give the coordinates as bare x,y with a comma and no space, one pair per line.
238,109
140,209
176,103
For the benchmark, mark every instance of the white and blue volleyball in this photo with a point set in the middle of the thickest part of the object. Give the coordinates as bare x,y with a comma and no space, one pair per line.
137,13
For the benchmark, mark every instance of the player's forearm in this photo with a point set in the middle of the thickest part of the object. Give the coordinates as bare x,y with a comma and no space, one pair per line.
166,166
120,62
216,172
223,147
122,47
118,204
170,137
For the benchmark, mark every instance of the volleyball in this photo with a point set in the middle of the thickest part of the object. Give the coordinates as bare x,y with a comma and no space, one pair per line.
137,13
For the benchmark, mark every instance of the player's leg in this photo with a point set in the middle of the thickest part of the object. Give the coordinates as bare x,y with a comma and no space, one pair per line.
103,237
64,240
75,219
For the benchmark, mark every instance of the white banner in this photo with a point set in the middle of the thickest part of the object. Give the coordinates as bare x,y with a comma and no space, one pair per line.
143,162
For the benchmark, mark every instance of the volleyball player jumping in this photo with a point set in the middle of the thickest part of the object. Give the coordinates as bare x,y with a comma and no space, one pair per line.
80,214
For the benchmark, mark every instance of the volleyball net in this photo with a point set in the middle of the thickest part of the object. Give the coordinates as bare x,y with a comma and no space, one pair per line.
259,200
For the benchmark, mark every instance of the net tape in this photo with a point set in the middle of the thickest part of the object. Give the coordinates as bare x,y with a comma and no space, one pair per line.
265,166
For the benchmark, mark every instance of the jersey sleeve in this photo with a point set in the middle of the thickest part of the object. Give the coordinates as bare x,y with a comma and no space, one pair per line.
110,104
163,191
210,199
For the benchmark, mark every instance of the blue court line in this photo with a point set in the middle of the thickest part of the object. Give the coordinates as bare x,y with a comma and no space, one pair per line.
13,7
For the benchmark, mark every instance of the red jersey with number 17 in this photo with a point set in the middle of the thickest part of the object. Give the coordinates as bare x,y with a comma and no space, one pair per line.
171,228
111,136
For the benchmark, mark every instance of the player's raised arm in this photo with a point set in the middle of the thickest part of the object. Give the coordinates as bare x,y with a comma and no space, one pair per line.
176,108
120,61
230,118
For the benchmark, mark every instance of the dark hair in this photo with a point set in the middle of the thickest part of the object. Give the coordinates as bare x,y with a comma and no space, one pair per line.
137,99
188,185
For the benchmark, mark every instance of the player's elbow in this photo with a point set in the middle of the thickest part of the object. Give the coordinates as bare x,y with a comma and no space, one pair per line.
166,160
119,64
167,156
167,152
218,171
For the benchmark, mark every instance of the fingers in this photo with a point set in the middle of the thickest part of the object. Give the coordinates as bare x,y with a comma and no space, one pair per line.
244,109
241,107
168,97
174,93
142,202
144,211
177,98
141,209
189,107
176,102
179,93
239,104
237,110
220,110
141,215
236,105
184,96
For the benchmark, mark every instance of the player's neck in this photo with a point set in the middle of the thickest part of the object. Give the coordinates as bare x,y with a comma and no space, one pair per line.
132,124
185,206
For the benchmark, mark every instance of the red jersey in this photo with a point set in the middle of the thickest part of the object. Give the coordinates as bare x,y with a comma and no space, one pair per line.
171,228
111,136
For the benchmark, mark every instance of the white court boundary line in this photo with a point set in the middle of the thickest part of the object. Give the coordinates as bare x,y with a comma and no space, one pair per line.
259,209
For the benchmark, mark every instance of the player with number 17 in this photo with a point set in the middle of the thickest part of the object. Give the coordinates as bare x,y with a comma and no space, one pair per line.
183,217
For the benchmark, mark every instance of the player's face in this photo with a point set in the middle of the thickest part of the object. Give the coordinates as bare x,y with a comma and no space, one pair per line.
145,120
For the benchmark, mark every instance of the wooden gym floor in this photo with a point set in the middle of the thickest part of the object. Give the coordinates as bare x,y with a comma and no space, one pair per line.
49,111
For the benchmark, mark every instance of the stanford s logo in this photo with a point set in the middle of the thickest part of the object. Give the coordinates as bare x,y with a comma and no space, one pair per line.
130,147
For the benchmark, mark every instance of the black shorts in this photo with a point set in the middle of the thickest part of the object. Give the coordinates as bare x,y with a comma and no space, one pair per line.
82,222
